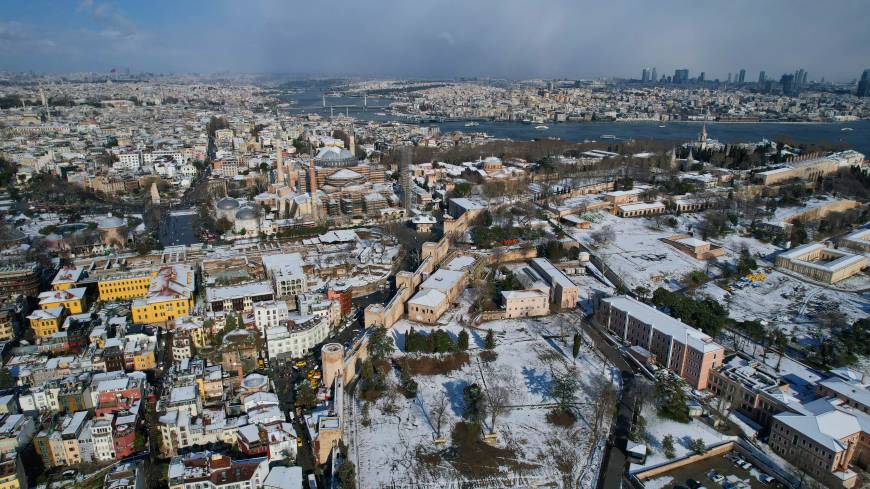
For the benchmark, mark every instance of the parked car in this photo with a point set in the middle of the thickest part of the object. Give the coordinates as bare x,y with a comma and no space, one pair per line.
715,476
765,479
693,484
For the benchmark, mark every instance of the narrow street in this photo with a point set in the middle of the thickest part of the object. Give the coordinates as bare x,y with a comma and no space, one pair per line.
615,457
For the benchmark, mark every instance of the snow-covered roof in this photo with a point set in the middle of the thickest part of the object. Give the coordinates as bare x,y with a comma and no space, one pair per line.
665,324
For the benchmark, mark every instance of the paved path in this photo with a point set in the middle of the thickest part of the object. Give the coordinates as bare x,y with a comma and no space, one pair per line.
615,458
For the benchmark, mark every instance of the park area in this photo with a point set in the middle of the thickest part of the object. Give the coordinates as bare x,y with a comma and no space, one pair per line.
514,406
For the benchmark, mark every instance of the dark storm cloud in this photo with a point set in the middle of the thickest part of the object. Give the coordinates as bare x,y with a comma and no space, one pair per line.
503,38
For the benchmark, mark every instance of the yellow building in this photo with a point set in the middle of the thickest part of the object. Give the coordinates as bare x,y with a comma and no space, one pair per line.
73,299
7,333
66,278
144,361
195,328
169,297
46,322
125,286
11,471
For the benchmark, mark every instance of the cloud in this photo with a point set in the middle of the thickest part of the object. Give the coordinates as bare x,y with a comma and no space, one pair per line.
447,37
114,23
421,38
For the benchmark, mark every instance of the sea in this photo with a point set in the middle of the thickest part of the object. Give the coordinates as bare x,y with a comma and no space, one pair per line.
855,136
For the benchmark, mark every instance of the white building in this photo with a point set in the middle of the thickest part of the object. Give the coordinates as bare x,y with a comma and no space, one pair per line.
101,437
269,314
296,341
285,272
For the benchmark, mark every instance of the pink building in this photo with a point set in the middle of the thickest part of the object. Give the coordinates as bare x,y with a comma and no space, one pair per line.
680,348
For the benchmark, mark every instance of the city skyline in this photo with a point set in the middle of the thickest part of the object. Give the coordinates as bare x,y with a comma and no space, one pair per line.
439,39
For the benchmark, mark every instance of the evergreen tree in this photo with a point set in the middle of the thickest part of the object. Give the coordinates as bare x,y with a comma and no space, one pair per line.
462,345
489,341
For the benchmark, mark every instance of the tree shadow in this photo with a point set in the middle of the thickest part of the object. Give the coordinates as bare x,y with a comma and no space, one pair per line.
454,390
540,383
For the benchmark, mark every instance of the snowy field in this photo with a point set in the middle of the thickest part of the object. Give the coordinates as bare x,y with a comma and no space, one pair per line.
639,256
399,445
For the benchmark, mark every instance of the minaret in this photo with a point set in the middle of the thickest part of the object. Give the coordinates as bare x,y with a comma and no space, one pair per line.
351,141
279,156
702,138
673,158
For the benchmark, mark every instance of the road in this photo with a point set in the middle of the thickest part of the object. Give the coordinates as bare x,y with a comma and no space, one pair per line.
615,457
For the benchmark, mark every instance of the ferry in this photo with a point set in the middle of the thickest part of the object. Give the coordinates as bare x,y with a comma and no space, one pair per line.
847,129
662,125
541,128
381,114
472,124
608,136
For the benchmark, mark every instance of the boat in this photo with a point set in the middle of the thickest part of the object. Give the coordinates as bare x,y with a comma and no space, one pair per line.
472,124
847,129
662,125
381,114
608,136
527,121
541,128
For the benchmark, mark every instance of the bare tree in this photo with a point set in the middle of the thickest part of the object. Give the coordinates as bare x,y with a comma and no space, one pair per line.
499,384
604,235
438,411
605,410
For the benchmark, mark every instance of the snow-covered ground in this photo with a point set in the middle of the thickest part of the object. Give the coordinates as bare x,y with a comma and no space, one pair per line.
683,434
400,428
638,255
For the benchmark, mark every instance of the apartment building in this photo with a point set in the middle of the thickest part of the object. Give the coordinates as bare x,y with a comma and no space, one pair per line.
296,336
169,296
124,286
680,348
46,322
72,299
286,273
269,314
206,470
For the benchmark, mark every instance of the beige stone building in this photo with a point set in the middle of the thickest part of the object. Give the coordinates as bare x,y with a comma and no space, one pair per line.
641,209
698,249
824,441
525,303
820,263
563,292
810,167
858,241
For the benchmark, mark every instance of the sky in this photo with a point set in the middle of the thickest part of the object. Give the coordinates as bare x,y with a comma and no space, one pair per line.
515,39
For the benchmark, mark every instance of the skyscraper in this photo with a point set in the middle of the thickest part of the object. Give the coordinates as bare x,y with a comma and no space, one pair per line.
741,79
729,78
864,84
788,85
681,76
653,76
702,76
762,77
644,77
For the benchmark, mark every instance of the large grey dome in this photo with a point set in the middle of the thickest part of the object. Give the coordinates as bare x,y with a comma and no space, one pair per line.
111,222
228,203
246,213
332,156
